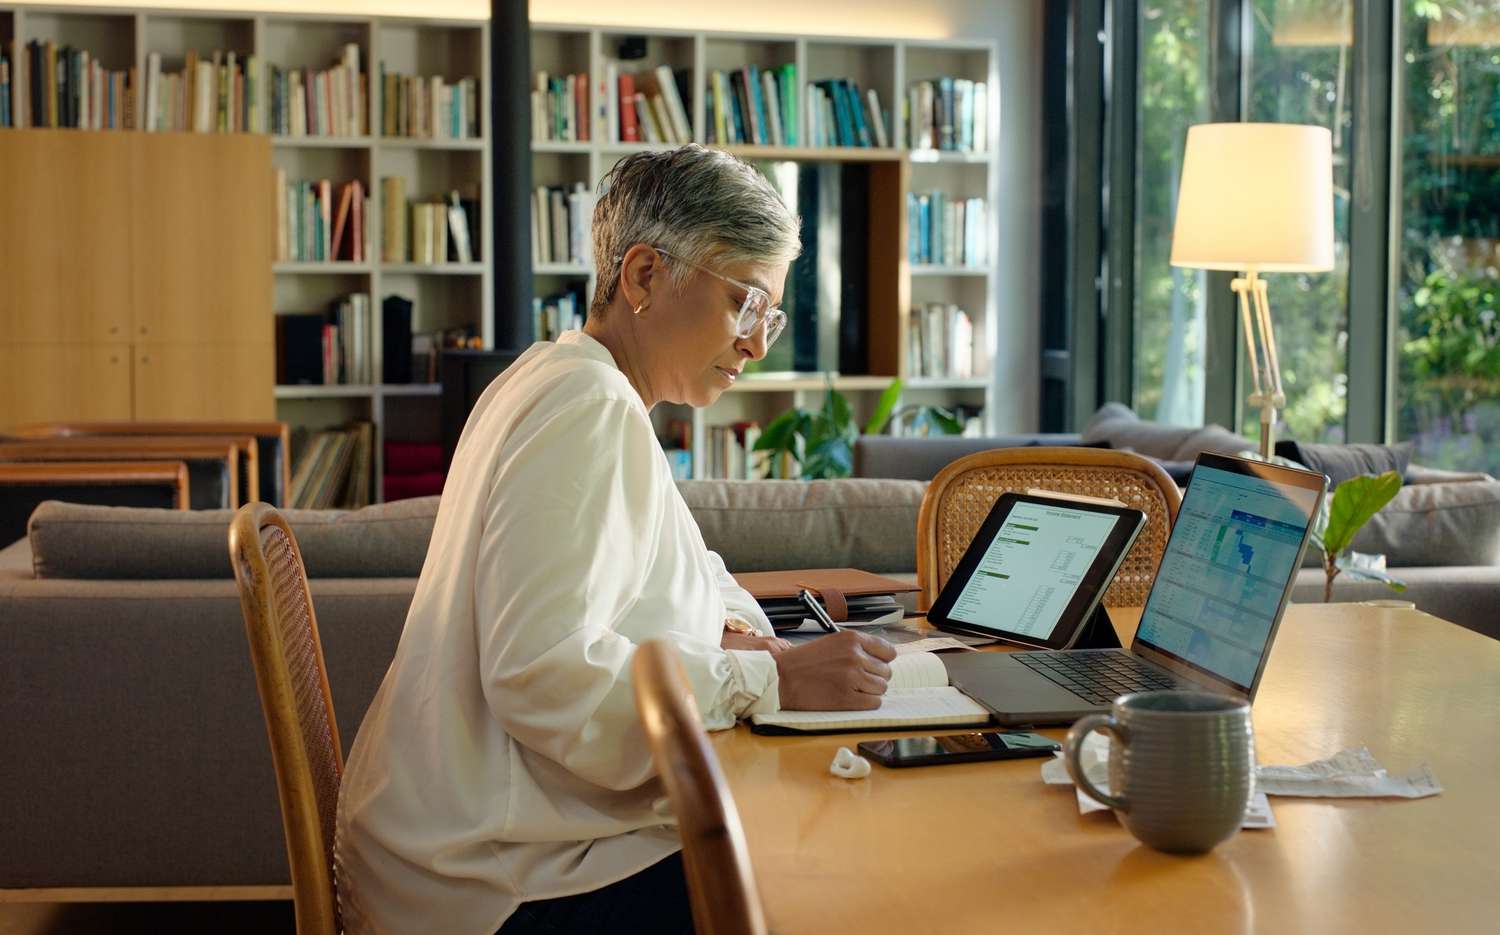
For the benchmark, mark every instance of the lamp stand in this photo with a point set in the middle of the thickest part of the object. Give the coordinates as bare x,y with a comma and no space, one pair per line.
1260,342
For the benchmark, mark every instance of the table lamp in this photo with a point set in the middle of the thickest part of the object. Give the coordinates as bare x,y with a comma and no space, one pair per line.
1256,198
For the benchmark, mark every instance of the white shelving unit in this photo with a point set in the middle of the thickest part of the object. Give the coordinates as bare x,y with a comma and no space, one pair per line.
444,295
888,65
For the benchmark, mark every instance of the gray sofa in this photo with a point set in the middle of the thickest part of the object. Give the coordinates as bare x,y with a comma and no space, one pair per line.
136,750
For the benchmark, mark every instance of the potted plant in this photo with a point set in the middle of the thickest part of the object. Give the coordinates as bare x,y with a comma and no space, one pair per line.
1354,502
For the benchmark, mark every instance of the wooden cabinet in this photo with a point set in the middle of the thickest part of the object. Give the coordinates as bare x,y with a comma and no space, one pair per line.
64,382
137,276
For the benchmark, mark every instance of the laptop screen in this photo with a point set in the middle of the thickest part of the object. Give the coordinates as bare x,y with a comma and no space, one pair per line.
1226,570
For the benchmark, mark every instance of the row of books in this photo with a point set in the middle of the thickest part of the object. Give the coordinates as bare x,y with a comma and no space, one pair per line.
940,342
645,106
837,115
327,348
220,93
561,224
753,105
948,113
434,230
69,88
945,230
334,469
318,221
553,315
560,108
730,454
331,102
428,107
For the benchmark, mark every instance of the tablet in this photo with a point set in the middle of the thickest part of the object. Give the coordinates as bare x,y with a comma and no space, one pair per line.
1036,570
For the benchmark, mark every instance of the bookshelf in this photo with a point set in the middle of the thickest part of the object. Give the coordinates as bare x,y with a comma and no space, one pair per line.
445,295
896,284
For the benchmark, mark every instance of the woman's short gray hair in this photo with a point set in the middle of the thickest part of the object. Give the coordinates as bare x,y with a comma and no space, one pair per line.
695,203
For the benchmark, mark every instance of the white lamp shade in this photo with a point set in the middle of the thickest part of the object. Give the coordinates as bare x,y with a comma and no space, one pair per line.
1255,196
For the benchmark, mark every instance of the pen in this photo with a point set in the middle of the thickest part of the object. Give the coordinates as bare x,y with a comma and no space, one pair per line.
823,619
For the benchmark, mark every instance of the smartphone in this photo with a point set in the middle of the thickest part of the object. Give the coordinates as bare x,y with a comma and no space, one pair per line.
958,748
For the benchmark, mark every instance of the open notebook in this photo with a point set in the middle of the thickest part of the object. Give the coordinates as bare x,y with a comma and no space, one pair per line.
919,696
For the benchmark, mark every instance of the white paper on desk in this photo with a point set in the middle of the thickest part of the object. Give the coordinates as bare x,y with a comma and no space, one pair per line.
1347,774
930,645
1095,761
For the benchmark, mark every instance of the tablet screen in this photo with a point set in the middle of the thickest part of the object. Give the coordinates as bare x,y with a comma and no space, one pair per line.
1036,567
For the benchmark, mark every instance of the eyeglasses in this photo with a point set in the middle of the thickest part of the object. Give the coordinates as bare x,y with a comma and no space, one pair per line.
753,311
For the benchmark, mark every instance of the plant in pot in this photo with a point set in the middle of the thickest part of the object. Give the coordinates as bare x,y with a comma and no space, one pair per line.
1354,502
821,441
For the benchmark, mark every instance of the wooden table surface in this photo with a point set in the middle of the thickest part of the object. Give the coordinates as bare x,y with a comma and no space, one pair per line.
987,847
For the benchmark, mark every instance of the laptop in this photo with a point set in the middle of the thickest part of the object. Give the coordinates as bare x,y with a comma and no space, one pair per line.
1211,616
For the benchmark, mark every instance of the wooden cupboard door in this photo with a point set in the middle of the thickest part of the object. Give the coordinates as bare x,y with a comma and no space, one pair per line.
203,239
65,244
63,382
209,382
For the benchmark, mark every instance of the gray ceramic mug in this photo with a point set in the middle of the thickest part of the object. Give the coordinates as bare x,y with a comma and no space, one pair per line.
1181,768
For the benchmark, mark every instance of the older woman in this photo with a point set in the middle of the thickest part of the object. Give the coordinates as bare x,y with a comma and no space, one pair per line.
500,776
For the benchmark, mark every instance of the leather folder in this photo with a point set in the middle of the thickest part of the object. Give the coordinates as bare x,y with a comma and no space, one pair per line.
833,586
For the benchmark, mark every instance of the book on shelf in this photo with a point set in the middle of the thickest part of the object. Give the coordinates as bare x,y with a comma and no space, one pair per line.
647,106
839,114
334,469
948,114
318,222
731,453
553,315
427,107
753,106
396,340
326,348
561,224
442,229
946,230
560,108
69,87
305,102
5,86
940,342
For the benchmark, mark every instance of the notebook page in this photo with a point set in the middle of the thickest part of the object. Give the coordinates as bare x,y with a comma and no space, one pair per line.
915,707
917,670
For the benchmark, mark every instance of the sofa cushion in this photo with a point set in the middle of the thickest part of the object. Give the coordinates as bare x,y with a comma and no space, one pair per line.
1437,524
1341,462
922,457
1118,424
773,525
74,541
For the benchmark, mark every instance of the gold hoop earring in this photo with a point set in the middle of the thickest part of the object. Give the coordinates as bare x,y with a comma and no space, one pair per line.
640,308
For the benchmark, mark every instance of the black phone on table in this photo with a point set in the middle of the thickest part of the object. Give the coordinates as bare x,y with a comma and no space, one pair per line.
958,748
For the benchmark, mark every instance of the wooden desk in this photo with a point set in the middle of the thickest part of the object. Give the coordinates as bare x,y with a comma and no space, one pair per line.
986,847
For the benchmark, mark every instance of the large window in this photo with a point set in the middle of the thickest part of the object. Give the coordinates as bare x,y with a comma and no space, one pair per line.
1173,93
1300,61
1448,341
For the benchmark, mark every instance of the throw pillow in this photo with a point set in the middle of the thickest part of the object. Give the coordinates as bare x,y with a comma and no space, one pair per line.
1437,524
1122,428
1341,462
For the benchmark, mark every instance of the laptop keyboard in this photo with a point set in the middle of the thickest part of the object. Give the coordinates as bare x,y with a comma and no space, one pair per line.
1099,677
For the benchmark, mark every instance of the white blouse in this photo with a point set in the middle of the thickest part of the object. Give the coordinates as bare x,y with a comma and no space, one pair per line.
502,759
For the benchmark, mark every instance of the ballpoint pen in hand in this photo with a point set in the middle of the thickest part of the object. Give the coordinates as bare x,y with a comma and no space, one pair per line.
825,621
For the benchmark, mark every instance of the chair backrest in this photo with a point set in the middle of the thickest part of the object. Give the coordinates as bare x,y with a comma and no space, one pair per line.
272,442
715,857
962,494
294,696
213,461
25,486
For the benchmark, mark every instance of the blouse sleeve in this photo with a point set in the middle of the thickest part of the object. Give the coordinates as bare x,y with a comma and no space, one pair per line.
571,522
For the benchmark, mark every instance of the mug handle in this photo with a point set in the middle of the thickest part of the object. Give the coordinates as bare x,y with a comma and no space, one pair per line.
1073,748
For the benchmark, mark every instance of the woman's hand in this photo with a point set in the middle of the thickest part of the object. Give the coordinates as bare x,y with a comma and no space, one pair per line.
844,671
735,639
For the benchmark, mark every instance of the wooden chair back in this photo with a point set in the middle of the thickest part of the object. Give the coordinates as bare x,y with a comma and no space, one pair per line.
962,494
273,444
294,697
214,460
25,486
715,857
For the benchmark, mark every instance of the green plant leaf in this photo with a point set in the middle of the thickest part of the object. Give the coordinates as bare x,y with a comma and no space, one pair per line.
778,434
1354,502
883,408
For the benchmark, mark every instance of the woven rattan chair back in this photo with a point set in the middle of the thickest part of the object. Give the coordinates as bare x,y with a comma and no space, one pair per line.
961,496
293,686
715,857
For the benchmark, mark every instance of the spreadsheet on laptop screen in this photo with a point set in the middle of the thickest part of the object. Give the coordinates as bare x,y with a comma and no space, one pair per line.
1225,571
